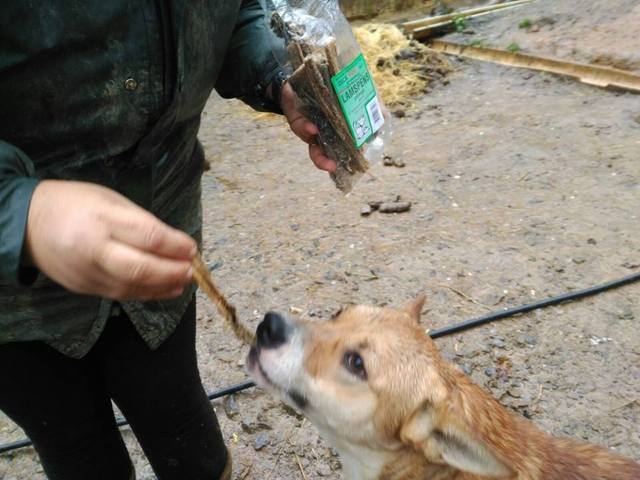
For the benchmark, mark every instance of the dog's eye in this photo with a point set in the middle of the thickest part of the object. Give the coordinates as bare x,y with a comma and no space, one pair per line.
353,362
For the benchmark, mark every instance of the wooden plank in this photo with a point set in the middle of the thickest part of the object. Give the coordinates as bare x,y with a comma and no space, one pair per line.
421,26
604,77
436,29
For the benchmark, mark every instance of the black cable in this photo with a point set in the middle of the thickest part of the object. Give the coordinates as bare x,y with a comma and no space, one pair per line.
437,333
233,389
7,447
121,421
547,302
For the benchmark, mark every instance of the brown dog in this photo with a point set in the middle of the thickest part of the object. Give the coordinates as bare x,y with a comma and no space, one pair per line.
379,391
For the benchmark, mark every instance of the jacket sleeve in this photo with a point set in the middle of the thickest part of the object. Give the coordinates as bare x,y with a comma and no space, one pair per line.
17,183
250,65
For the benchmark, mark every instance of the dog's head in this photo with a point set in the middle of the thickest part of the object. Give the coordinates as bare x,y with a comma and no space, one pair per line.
370,377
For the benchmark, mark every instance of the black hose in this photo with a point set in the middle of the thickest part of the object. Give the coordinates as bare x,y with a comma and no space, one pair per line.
547,302
121,421
7,447
437,333
233,389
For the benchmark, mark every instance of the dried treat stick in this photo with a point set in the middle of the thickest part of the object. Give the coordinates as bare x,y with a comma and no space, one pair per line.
306,48
202,278
296,57
331,117
297,77
322,95
332,57
319,113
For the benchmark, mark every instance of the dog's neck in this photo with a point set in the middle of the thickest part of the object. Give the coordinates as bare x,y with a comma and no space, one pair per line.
411,465
358,462
362,463
365,463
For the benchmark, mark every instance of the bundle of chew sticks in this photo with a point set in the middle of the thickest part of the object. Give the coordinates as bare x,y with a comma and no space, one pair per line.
313,67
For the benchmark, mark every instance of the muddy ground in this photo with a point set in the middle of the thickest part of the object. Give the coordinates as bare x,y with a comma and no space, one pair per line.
523,185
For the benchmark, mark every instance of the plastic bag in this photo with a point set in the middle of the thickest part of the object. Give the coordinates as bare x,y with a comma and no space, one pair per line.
332,81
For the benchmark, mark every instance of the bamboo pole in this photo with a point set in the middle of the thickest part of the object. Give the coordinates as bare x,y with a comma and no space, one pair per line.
604,77
420,28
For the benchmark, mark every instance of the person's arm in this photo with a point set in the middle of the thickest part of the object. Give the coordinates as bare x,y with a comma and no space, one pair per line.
86,237
250,66
17,183
251,73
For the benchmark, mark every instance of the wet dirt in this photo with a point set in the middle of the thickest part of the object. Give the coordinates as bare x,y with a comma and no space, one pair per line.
603,33
523,185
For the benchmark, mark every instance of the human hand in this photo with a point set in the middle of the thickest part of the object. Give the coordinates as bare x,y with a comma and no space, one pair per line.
94,241
305,129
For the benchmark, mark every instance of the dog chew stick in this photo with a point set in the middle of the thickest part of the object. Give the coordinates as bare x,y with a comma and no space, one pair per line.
296,55
332,57
332,142
202,278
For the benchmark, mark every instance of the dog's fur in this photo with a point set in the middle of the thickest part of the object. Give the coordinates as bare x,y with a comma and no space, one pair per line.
413,416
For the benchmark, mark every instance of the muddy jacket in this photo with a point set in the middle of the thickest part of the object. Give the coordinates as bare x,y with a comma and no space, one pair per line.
111,92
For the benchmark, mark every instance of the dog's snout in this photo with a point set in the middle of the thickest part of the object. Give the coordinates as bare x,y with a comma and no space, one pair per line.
272,331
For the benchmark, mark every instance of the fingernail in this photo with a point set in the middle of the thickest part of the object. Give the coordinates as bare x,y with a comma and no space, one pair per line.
194,251
189,274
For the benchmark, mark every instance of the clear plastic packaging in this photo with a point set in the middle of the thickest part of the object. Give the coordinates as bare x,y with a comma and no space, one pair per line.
333,83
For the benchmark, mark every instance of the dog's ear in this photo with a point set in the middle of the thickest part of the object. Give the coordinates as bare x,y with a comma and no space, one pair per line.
450,444
414,307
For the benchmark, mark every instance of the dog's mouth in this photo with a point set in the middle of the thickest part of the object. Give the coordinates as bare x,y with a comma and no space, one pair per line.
257,370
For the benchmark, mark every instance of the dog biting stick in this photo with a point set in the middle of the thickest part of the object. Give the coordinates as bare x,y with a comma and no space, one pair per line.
202,278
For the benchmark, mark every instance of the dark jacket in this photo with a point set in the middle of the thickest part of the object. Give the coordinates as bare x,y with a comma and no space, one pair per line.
111,92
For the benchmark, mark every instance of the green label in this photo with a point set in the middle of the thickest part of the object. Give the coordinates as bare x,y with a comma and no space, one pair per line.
357,95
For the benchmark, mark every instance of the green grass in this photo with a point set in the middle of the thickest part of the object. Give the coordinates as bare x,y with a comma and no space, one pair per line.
460,23
513,47
526,23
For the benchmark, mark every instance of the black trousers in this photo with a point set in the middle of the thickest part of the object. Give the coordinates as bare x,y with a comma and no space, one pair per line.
64,405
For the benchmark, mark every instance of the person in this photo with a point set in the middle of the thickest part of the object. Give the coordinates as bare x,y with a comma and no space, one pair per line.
100,216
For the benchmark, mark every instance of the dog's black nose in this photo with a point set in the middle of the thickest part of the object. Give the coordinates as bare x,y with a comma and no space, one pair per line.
272,331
